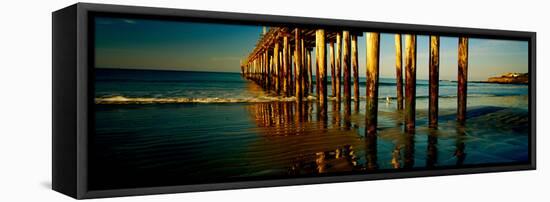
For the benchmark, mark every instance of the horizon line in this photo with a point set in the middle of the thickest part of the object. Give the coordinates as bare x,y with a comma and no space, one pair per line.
328,75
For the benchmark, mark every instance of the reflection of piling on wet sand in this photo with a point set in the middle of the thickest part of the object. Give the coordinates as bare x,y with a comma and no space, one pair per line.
431,151
460,146
283,120
328,149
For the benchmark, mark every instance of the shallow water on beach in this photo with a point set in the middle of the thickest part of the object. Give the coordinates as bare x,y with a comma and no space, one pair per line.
140,144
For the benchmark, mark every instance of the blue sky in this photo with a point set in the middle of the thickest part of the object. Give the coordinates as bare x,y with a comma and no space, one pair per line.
155,44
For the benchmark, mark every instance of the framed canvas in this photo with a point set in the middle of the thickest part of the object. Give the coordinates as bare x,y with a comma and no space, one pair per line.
156,100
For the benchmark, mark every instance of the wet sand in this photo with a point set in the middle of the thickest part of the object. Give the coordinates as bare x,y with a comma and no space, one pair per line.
169,144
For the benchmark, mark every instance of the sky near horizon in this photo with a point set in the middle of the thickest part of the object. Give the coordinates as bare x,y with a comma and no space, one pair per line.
193,46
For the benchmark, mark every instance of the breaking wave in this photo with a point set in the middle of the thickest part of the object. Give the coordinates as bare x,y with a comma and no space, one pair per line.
118,99
144,100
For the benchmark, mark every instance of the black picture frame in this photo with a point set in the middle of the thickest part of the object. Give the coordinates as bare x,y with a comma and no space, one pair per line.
72,95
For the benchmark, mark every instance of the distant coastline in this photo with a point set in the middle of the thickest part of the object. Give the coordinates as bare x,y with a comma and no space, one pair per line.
510,78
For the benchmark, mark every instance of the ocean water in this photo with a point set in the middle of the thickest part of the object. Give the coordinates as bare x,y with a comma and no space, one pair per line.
158,128
146,86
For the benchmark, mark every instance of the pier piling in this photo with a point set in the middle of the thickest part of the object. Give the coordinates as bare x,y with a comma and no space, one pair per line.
410,82
399,72
321,60
434,81
304,76
355,68
373,54
338,66
332,69
346,65
309,72
462,79
298,65
290,72
286,67
266,69
277,67
281,73
317,81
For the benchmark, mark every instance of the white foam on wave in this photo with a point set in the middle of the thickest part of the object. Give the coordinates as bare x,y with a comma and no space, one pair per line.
146,100
118,99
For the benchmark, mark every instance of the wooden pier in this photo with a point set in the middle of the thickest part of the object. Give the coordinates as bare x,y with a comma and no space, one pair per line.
281,63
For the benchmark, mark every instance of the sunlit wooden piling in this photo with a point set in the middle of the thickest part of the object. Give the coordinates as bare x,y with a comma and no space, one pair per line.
321,61
410,82
338,65
346,65
309,72
398,72
281,72
292,78
434,81
355,70
298,65
332,69
277,67
262,69
317,81
304,77
271,71
286,67
266,70
462,79
373,56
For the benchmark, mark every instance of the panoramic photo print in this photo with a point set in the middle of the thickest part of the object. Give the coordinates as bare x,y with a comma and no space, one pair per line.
188,102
